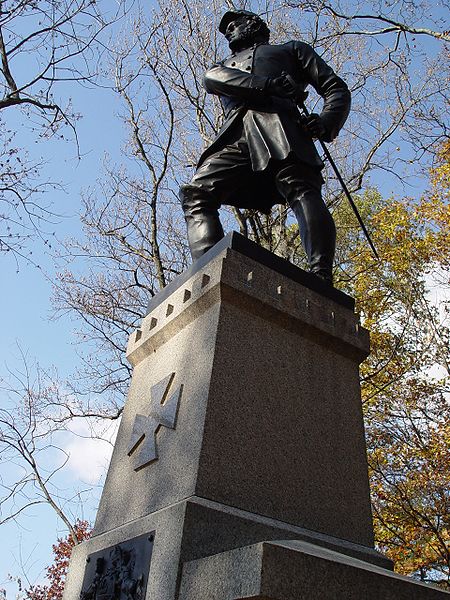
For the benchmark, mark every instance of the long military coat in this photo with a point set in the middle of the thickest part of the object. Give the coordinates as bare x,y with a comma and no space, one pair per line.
272,124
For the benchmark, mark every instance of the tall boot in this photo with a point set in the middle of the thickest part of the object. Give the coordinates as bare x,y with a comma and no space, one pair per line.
301,185
201,213
318,234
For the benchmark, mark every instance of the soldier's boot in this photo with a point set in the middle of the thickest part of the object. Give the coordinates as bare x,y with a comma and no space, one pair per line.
318,234
201,213
301,185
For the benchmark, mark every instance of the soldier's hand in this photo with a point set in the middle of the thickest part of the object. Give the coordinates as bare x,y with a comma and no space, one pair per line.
315,126
282,86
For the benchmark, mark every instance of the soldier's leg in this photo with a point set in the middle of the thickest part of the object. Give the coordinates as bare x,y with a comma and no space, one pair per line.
201,212
214,183
301,186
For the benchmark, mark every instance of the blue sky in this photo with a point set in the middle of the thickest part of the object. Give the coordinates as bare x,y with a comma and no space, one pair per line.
25,308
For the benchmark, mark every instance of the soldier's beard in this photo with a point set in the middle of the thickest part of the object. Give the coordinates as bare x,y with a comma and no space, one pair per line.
251,35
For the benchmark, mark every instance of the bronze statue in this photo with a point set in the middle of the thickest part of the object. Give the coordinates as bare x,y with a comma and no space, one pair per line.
264,153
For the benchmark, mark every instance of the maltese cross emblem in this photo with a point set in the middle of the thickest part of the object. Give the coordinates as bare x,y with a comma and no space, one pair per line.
163,413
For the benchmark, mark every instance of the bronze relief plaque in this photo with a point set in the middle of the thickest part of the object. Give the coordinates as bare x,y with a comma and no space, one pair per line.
119,572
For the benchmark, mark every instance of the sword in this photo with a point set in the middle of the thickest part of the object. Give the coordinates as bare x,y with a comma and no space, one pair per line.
301,105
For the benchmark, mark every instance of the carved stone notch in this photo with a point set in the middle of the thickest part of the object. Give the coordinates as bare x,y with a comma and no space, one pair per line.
163,412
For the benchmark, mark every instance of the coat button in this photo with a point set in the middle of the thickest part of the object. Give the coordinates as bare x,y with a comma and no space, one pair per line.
233,64
248,68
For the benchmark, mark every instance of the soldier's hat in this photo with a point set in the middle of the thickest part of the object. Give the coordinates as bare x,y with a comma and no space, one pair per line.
231,15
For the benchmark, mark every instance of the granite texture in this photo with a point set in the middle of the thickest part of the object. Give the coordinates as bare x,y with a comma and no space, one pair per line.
268,439
130,494
212,527
167,526
283,436
194,529
270,416
295,570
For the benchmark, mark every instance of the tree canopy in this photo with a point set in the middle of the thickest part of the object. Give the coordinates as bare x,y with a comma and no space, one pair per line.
45,46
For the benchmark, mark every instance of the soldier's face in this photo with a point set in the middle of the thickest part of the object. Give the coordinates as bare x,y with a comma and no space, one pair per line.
239,31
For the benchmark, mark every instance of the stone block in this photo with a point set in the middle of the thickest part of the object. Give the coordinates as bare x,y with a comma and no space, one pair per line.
243,425
295,570
167,528
269,415
191,530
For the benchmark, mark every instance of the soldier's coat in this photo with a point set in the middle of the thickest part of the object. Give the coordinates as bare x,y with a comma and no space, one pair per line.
272,125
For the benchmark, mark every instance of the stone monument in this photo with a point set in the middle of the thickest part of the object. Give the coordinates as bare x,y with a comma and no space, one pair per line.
240,468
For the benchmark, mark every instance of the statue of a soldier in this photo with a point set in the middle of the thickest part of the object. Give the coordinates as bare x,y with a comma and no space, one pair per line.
264,153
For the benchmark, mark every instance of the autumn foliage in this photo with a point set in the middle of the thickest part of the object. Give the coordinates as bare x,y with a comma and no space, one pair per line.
405,380
56,572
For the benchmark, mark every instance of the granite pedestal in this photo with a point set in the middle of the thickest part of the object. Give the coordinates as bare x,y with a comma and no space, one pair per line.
243,425
295,570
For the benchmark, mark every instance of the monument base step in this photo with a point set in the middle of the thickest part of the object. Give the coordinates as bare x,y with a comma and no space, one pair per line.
160,543
295,570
